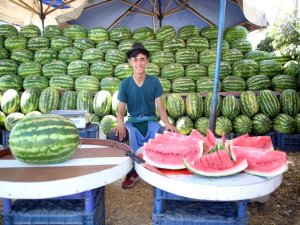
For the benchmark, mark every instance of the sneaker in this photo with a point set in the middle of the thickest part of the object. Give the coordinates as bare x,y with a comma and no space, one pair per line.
130,180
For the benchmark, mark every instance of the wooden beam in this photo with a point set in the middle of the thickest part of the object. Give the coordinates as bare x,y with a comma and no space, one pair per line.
95,5
167,6
173,12
50,5
25,6
181,4
141,13
138,7
154,7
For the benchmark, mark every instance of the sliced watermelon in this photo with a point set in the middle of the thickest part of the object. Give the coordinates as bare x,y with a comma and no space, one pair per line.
211,137
266,163
168,155
260,142
216,164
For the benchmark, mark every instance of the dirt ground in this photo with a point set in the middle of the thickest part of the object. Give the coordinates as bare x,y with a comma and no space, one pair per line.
134,206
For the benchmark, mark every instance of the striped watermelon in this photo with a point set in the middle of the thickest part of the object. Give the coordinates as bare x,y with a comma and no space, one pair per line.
297,123
15,43
92,55
49,100
213,44
83,44
104,46
68,100
100,69
291,68
125,45
249,103
36,43
207,57
120,34
165,33
51,31
175,106
233,83
183,85
188,31
62,82
173,45
290,102
268,103
209,32
108,123
38,82
242,125
123,71
172,71
225,70
152,69
258,82
12,119
194,105
243,45
232,55
206,84
8,66
98,34
2,119
223,126
102,103
74,32
279,57
198,44
143,33
33,113
234,33
261,124
115,57
84,101
21,55
257,55
78,68
184,125
202,124
29,100
7,30
270,67
10,82
245,68
195,71
30,68
54,68
162,58
166,85
10,101
58,43
282,82
110,84
44,139
230,107
69,54
89,83
30,31
207,104
45,55
186,57
152,45
4,54
284,123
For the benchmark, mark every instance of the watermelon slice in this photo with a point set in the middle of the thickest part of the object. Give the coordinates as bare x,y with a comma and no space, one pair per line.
211,137
266,163
261,142
167,151
216,164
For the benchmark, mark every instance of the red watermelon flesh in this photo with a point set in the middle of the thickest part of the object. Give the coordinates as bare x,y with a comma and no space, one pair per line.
211,137
168,155
216,164
261,142
262,163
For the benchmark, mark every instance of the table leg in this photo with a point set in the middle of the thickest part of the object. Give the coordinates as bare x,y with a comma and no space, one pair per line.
6,211
89,201
242,212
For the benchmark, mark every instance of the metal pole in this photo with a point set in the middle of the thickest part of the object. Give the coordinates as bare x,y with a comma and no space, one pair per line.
42,15
160,16
212,117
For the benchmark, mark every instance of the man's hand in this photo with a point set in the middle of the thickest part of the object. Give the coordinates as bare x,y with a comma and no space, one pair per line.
170,127
120,131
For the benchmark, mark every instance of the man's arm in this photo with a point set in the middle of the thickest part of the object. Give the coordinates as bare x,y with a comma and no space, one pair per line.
121,129
163,115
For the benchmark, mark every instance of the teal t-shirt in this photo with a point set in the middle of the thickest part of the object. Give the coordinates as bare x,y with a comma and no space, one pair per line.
140,100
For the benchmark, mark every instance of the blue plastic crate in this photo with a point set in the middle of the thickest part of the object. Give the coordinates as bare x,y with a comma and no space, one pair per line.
201,212
288,142
57,212
4,138
91,131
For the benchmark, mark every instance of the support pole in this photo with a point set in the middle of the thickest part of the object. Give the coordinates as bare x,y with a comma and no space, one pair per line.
212,117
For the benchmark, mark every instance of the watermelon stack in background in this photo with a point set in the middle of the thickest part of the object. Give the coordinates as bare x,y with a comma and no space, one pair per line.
258,90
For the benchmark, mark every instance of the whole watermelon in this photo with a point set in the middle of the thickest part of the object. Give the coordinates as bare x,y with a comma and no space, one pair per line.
44,139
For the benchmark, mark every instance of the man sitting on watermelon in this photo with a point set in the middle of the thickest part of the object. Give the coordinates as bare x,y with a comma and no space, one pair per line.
140,93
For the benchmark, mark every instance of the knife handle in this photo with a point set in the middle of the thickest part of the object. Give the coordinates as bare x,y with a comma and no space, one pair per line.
134,157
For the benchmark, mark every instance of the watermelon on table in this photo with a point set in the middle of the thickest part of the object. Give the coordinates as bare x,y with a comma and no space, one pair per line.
173,45
262,124
30,30
264,143
74,32
262,162
165,33
209,32
10,101
167,151
51,31
29,100
184,125
201,125
44,139
216,164
102,103
108,123
98,34
36,43
12,119
143,33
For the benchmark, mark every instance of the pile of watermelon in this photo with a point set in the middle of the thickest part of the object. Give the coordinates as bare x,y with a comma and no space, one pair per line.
204,156
76,68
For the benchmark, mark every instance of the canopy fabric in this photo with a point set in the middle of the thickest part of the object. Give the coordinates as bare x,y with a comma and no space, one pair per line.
23,12
144,13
